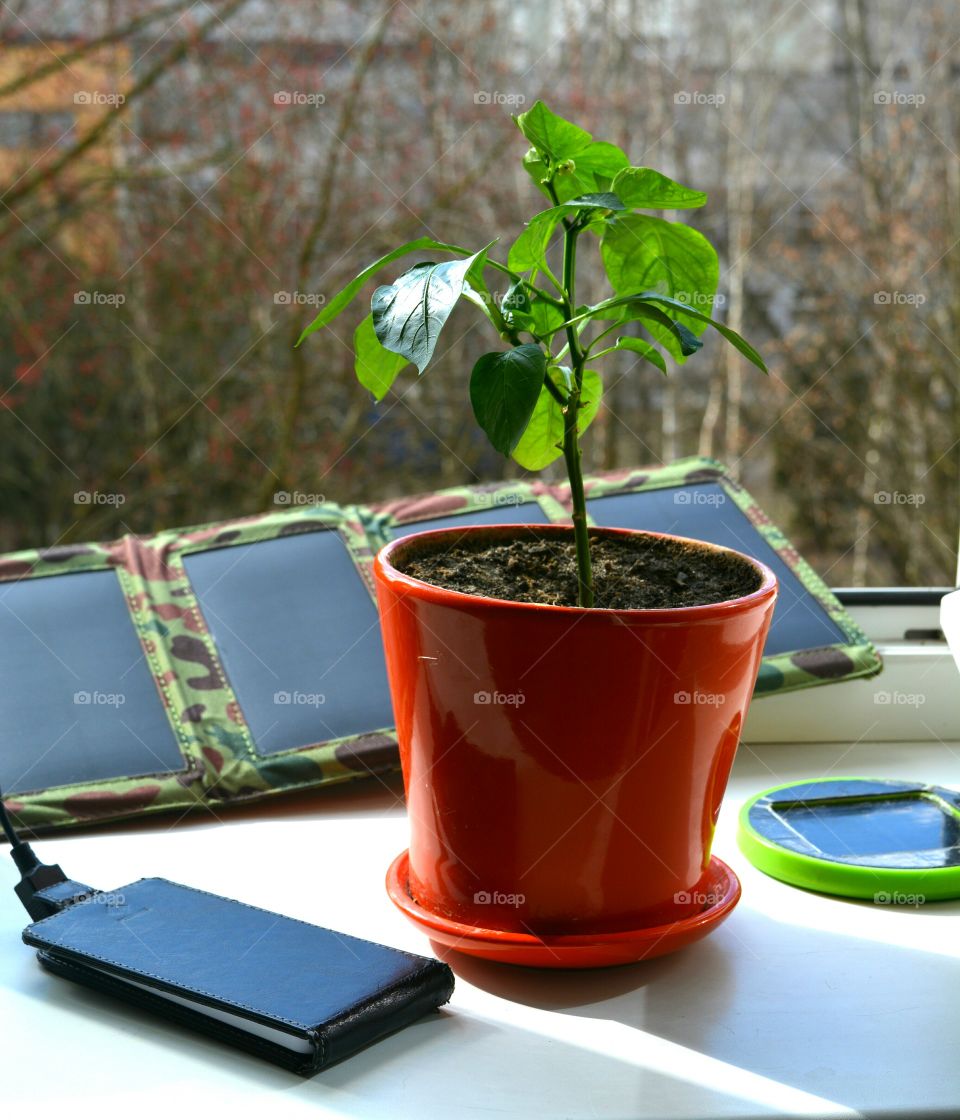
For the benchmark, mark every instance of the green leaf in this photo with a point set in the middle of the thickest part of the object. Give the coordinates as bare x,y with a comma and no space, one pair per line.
375,367
528,312
530,248
565,375
642,188
641,306
640,252
594,169
602,200
649,353
475,289
409,314
504,388
542,442
551,135
681,338
333,308
601,159
516,300
730,335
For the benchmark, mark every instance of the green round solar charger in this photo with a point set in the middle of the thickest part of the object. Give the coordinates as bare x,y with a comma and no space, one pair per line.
888,841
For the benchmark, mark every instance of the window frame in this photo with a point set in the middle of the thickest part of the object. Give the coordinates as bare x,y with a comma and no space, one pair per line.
914,699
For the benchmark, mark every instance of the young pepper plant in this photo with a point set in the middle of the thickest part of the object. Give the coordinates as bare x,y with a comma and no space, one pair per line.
535,400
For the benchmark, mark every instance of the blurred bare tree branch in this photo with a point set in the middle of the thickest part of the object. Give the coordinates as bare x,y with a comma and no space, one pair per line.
183,185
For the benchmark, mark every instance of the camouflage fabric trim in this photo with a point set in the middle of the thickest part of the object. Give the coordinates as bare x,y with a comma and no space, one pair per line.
380,518
458,499
120,799
325,762
36,562
347,521
466,499
221,765
785,672
551,502
684,472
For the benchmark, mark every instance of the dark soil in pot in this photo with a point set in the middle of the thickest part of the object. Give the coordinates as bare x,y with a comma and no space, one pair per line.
630,573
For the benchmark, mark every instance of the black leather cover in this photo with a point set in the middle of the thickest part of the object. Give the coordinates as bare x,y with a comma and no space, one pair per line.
338,993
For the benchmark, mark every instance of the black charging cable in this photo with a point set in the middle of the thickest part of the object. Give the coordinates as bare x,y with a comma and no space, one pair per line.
43,888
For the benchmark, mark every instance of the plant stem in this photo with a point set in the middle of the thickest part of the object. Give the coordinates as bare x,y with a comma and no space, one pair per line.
571,441
593,342
571,455
609,350
554,391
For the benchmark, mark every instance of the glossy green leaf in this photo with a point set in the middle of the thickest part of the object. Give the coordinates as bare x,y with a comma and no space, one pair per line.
530,248
525,311
332,308
598,200
552,136
476,290
593,170
517,300
628,308
376,368
681,339
409,314
537,316
641,306
641,252
601,159
542,442
642,188
504,388
649,353
645,253
730,335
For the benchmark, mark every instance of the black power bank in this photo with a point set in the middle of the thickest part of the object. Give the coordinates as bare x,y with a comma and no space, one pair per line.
296,994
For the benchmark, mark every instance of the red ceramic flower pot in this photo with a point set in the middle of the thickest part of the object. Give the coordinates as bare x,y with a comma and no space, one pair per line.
563,767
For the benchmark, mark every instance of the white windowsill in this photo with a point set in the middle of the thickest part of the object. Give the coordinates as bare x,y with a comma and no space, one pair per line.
915,698
799,1005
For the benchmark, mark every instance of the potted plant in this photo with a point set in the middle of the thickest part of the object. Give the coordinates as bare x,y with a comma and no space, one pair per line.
568,700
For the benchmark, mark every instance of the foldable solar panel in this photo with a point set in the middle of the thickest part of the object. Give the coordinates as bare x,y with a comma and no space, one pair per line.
213,665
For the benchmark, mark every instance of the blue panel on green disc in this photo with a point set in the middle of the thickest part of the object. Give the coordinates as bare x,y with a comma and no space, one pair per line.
853,829
865,838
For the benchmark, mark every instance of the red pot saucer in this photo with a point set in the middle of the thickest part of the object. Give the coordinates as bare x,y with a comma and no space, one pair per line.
583,950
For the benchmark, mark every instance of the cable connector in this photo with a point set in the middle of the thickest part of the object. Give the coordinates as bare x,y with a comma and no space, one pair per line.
43,888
